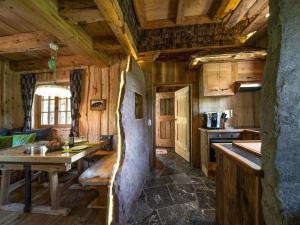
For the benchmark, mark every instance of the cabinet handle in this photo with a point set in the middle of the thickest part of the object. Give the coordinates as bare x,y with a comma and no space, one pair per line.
248,77
214,90
224,89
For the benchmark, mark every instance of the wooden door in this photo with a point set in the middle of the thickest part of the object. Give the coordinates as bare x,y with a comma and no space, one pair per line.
211,84
165,116
182,123
226,79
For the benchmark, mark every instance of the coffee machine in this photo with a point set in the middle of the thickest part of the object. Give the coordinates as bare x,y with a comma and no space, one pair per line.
213,120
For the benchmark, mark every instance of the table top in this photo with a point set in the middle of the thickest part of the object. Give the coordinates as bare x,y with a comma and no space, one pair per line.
17,155
253,146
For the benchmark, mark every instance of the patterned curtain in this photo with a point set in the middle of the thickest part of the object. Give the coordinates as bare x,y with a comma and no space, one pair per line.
75,87
28,82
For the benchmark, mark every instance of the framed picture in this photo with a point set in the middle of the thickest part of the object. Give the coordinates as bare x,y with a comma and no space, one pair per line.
98,104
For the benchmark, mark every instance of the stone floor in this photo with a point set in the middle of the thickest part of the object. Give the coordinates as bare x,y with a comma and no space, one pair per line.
175,194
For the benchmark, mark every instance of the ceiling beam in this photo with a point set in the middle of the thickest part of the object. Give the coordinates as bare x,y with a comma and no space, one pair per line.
45,16
258,22
86,15
112,13
40,64
25,42
139,6
190,20
180,12
239,13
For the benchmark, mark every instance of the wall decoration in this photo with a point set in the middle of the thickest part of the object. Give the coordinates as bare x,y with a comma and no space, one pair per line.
98,104
138,106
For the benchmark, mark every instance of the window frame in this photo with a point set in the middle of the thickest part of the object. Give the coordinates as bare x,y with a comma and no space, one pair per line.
38,113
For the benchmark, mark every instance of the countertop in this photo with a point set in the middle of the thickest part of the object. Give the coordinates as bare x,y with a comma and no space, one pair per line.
231,130
242,157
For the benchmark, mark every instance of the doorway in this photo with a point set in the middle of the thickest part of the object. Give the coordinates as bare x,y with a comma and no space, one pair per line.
172,120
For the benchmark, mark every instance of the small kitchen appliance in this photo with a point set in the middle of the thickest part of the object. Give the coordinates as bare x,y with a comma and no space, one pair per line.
213,120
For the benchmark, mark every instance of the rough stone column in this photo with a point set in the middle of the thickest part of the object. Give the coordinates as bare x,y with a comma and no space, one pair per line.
281,116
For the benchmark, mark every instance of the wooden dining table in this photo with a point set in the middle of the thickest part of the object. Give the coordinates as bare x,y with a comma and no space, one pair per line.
38,158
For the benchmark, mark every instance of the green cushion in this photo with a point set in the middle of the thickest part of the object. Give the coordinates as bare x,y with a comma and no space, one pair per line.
23,139
5,141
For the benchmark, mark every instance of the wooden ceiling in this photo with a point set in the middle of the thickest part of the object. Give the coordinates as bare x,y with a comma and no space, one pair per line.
92,31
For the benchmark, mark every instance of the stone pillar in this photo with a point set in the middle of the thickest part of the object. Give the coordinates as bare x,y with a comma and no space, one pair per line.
280,116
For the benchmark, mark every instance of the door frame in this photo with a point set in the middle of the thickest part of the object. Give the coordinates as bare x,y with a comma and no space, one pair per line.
154,87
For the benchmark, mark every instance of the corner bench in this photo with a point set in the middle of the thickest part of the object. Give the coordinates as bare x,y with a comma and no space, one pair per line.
98,176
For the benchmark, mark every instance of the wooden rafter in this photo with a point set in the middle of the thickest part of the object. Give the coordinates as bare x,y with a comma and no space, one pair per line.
259,21
239,12
45,16
180,12
258,6
25,42
139,7
88,15
112,13
217,9
40,64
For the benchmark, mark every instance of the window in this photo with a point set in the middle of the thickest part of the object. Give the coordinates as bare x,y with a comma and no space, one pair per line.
53,111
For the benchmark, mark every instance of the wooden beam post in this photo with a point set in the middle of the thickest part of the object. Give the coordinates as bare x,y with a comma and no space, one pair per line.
180,12
112,13
45,16
24,42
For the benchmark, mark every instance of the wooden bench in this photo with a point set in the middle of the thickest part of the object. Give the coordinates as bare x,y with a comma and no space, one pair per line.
98,176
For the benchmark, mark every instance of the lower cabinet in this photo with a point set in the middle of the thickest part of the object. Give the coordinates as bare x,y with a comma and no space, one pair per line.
238,194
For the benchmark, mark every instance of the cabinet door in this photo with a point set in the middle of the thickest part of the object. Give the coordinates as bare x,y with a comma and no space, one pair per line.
248,71
227,79
211,81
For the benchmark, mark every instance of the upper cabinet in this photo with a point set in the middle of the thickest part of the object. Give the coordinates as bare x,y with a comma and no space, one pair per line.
250,71
218,79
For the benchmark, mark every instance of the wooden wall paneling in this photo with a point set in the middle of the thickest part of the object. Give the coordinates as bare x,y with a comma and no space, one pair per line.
12,114
104,89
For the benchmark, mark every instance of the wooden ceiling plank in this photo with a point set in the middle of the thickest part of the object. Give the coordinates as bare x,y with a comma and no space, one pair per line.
44,15
112,13
86,15
139,6
39,64
108,43
257,23
180,12
25,42
239,13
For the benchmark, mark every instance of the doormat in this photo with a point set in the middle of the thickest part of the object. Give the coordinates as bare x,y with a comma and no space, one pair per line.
161,151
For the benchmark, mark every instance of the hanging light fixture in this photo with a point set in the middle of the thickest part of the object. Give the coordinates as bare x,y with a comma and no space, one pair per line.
53,90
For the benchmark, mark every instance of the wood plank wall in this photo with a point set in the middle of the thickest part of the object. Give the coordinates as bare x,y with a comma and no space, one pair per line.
11,109
245,106
98,83
173,73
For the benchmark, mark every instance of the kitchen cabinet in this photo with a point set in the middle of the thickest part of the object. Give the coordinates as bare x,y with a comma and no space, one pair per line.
250,70
218,79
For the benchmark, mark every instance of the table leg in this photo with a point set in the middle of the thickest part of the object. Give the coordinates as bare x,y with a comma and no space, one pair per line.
54,193
5,182
27,170
80,167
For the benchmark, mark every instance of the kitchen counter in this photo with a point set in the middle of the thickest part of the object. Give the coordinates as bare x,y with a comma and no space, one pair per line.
229,130
246,159
238,185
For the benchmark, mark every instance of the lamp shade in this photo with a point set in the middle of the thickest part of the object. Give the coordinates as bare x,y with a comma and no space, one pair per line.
53,91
